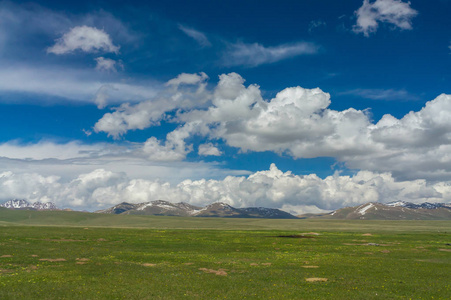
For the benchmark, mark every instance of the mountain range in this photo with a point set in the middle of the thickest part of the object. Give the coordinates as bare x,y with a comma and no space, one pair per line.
182,209
24,204
397,210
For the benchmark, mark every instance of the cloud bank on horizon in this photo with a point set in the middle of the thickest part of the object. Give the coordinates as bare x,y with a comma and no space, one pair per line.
129,123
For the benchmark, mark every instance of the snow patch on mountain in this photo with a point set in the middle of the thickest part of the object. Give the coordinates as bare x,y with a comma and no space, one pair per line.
364,209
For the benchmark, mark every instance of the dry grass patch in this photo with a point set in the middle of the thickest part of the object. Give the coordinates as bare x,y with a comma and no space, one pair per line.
83,259
149,265
52,259
6,255
64,240
220,272
310,267
316,279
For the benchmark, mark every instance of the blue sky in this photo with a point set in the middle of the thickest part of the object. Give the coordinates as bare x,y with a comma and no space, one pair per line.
305,106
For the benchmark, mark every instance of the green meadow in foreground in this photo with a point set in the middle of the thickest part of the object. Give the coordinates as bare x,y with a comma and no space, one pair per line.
304,260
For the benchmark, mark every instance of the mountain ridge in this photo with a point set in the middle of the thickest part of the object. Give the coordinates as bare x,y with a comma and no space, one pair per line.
396,210
24,204
182,209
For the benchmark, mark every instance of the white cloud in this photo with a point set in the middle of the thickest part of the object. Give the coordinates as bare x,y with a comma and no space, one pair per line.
209,149
48,150
298,122
185,92
382,94
271,188
174,148
394,12
74,85
252,55
196,35
68,160
84,38
107,64
185,78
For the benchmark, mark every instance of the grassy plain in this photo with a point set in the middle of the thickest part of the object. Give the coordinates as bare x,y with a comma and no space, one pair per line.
87,256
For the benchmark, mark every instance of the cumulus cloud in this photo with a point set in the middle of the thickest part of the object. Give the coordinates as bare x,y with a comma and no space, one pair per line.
298,122
186,91
107,64
185,78
270,188
209,149
174,148
395,12
196,35
84,38
252,55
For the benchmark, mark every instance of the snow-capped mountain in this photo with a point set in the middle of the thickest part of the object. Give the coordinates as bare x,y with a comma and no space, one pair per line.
24,204
182,209
425,205
397,210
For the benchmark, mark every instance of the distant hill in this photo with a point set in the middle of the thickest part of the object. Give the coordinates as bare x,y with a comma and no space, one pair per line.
165,208
24,204
398,210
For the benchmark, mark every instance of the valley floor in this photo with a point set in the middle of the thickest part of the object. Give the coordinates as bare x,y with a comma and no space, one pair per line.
315,260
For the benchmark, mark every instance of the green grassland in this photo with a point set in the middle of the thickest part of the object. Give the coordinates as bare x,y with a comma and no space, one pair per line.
71,255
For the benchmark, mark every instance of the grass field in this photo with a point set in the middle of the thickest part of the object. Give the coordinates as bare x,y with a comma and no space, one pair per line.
102,257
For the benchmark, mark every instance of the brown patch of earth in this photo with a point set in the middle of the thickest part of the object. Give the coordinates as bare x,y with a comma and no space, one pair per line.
266,264
3,271
52,259
385,251
367,244
188,264
34,255
64,240
220,272
81,263
367,234
253,264
6,255
369,253
446,250
310,267
101,240
83,259
149,265
315,279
